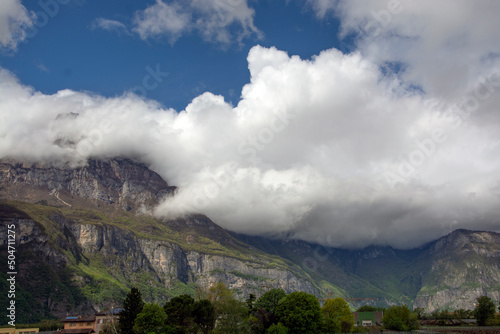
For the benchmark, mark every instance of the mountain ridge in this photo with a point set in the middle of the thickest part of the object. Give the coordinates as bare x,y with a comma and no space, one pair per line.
90,229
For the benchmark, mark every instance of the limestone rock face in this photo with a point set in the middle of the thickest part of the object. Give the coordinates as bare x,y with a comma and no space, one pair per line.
465,265
118,182
69,252
90,236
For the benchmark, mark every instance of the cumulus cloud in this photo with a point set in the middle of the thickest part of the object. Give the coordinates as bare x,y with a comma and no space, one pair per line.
162,19
394,144
443,47
220,21
330,149
14,21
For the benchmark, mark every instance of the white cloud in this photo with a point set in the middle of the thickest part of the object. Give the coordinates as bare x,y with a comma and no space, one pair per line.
220,21
162,19
445,46
310,151
14,20
339,149
109,25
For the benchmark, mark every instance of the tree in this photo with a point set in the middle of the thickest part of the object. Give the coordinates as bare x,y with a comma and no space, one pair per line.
231,314
232,317
180,311
108,328
250,303
420,312
261,320
278,329
300,313
400,318
204,315
337,316
152,319
132,306
462,314
219,292
485,309
366,308
269,300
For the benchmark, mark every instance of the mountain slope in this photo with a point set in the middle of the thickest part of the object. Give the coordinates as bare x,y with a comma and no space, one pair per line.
85,235
465,265
91,251
449,273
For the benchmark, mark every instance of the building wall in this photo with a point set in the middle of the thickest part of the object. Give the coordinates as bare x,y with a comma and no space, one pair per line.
18,330
374,317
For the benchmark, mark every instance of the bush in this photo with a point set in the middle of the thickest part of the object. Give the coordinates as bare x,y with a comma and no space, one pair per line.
400,318
277,329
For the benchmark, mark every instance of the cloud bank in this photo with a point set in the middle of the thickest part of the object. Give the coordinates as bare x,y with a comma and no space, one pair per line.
340,149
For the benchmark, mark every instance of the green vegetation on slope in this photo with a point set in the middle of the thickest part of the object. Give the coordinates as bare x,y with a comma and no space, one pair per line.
101,278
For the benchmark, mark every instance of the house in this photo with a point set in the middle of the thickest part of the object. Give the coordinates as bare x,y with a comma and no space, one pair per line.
12,330
368,318
78,325
88,324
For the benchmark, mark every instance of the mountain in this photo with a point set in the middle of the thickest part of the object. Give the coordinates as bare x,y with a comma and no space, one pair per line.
85,235
464,265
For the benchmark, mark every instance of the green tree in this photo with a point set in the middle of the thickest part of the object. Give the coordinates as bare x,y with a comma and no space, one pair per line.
300,313
462,314
219,292
152,319
277,329
400,318
233,317
204,315
250,303
180,311
485,309
132,306
269,300
337,316
444,314
231,314
366,308
420,312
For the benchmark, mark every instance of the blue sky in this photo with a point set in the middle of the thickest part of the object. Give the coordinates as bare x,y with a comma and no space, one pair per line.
341,122
69,52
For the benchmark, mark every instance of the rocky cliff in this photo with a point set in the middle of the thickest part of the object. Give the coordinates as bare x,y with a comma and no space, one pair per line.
449,273
85,236
464,265
115,183
80,260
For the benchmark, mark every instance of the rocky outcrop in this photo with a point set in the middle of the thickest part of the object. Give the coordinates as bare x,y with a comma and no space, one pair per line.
117,182
170,263
465,265
82,249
